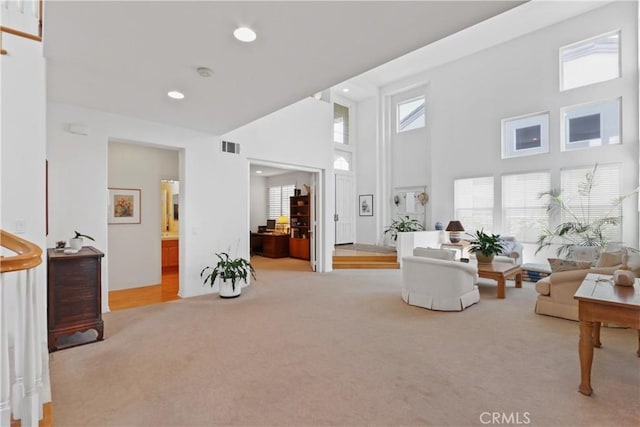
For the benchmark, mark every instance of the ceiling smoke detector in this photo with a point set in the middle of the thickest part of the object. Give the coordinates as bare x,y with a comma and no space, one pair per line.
204,71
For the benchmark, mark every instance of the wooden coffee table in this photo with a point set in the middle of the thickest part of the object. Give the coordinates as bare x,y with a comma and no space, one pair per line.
500,272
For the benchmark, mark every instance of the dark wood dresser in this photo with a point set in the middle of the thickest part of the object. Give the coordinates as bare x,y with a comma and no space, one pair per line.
74,295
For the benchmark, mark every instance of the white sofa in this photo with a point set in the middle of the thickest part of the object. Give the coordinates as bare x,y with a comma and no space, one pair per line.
438,284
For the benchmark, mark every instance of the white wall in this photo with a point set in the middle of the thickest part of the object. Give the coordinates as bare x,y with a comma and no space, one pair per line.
135,249
468,98
299,135
367,167
296,135
78,186
299,179
23,148
259,200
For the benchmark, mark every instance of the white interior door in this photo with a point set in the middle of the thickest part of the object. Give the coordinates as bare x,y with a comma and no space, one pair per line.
345,217
313,221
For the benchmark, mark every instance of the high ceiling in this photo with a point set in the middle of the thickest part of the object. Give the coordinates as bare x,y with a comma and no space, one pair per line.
124,57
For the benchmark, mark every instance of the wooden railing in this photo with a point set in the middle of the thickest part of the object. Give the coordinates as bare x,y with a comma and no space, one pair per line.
37,18
28,255
24,356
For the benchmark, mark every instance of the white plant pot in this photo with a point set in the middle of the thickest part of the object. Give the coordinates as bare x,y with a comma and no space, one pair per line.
76,243
226,289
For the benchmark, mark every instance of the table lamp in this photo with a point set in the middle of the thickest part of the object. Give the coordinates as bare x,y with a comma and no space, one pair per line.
283,221
454,228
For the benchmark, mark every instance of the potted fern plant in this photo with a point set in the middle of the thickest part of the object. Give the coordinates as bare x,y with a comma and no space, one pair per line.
486,246
230,272
403,225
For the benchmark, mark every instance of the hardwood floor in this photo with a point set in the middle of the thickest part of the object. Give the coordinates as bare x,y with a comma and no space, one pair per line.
155,294
47,417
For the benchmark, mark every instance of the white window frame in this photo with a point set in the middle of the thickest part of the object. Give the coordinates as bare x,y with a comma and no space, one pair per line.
406,101
346,127
610,123
467,223
561,63
286,191
347,156
612,191
510,128
532,202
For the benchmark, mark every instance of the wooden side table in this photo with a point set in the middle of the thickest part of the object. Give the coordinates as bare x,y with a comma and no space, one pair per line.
599,300
462,247
74,291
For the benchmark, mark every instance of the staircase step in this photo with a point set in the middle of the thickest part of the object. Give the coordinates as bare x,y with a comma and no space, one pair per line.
365,264
365,258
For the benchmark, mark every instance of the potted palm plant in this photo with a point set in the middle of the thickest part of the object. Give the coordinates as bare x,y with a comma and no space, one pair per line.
230,271
485,246
584,225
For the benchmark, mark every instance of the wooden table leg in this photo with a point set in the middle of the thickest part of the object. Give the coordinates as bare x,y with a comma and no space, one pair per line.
585,349
501,287
638,353
596,334
519,280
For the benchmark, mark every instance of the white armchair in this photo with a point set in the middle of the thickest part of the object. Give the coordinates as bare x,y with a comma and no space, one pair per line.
439,284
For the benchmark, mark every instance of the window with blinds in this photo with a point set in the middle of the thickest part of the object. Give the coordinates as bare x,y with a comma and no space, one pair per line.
473,203
340,124
524,213
596,204
279,200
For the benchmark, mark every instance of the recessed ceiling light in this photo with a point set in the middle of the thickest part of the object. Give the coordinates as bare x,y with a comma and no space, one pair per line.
245,34
258,171
175,94
346,89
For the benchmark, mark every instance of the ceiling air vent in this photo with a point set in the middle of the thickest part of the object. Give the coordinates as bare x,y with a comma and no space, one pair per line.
230,147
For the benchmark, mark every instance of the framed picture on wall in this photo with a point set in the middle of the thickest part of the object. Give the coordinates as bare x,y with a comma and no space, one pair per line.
365,205
124,206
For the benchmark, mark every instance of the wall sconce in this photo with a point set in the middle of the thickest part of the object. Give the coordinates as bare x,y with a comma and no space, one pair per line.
454,228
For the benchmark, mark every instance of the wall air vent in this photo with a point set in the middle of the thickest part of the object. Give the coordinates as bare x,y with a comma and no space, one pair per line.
230,147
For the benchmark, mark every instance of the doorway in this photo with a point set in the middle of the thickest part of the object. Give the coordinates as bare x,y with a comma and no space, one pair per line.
287,196
135,246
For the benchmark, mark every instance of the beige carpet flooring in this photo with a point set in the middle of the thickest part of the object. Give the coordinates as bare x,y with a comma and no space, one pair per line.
341,349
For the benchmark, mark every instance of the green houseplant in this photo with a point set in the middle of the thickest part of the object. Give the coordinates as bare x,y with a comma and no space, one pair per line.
229,271
583,225
402,225
76,241
485,246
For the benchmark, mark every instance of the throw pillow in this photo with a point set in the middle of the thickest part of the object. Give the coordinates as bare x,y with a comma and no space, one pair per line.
445,254
507,247
584,253
566,265
632,261
610,259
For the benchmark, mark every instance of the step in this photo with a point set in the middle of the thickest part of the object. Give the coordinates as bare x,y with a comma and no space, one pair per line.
337,265
366,258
